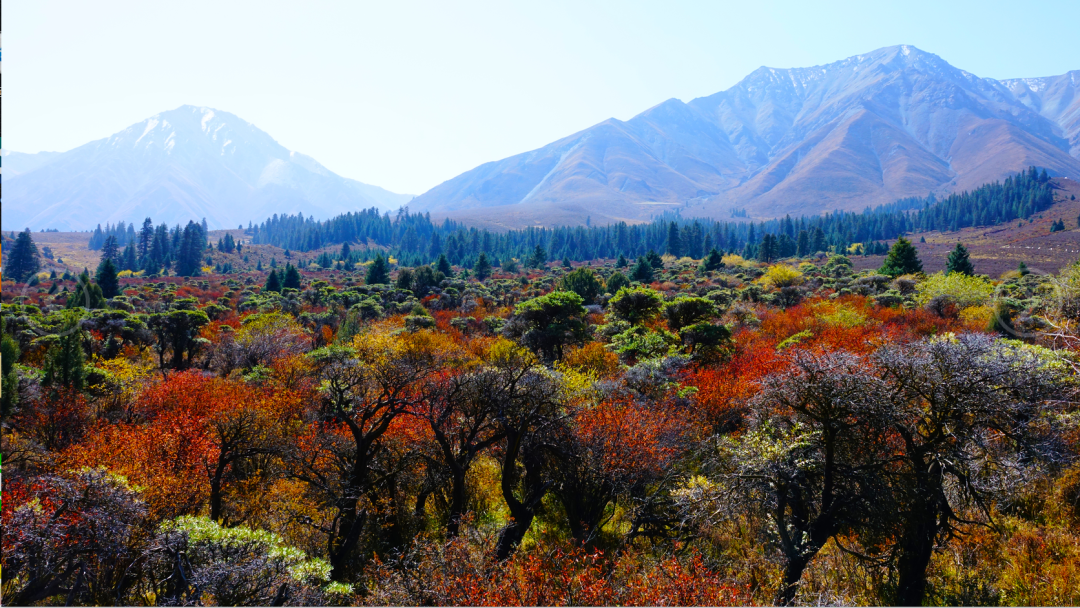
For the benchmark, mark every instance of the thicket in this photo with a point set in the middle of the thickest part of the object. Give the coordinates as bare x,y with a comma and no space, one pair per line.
728,431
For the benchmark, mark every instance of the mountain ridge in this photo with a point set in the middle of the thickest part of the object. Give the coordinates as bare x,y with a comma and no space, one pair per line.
183,164
865,130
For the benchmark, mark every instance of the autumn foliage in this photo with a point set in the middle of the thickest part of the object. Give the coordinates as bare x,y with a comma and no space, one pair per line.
727,434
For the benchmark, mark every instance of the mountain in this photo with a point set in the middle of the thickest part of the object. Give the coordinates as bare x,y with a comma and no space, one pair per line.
15,163
184,164
859,132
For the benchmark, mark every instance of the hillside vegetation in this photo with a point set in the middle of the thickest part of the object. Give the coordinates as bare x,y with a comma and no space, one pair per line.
372,425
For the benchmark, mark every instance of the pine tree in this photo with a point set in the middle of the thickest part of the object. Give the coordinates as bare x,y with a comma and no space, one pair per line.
902,259
482,267
817,241
273,282
643,271
378,273
621,263
86,295
146,238
292,278
130,258
767,249
63,365
435,248
345,251
959,261
106,278
566,262
713,261
443,266
189,256
674,241
23,260
110,250
538,257
802,244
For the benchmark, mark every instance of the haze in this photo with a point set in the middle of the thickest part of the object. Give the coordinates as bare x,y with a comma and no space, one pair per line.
406,95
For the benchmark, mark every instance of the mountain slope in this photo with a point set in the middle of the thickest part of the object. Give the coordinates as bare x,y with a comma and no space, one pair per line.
15,163
866,130
180,165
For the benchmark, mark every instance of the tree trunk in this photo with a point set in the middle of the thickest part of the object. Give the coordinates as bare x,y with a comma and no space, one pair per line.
457,502
793,571
521,511
215,489
916,549
921,526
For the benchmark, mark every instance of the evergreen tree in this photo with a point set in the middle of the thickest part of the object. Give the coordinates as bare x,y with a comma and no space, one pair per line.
621,262
817,241
23,261
482,267
443,266
538,257
273,282
654,259
713,261
902,259
379,272
191,247
110,250
959,261
345,251
146,238
674,242
86,295
291,280
802,244
1023,269
767,249
64,361
643,271
106,278
435,249
130,258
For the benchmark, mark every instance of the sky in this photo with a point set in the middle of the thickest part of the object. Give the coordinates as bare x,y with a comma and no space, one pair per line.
406,95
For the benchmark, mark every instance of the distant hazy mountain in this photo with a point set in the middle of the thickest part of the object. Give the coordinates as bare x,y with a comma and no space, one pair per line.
188,163
15,163
867,130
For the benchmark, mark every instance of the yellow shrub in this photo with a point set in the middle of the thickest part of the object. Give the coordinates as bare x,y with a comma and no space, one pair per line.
838,315
782,275
123,274
977,316
733,260
965,290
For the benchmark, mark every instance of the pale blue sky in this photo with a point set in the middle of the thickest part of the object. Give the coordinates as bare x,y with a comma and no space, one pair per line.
406,95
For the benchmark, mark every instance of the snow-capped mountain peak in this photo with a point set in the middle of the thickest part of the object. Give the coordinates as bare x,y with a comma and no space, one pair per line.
187,163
